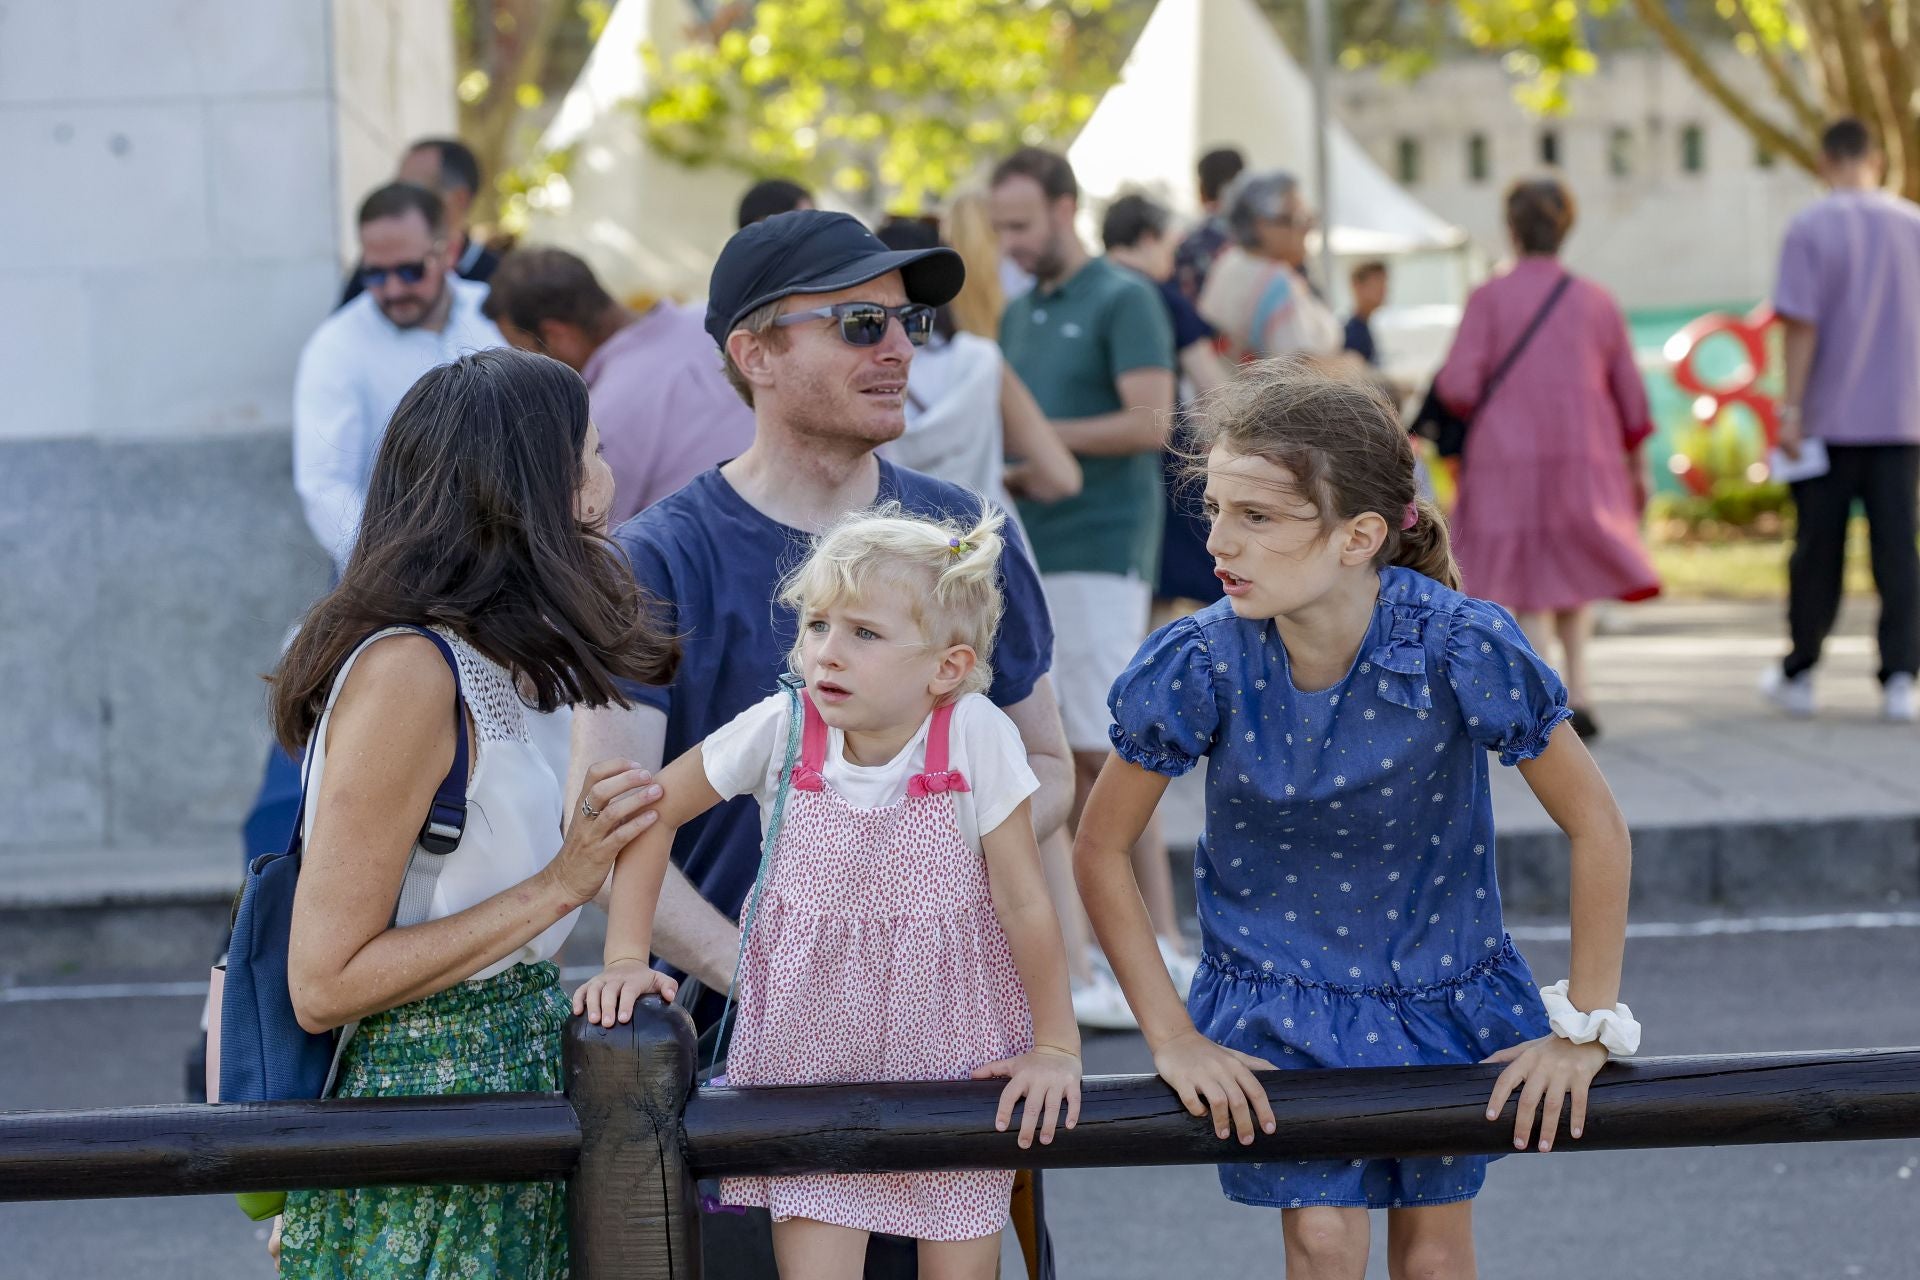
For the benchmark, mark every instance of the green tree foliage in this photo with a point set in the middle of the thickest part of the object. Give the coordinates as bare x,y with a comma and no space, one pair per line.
887,103
1820,58
515,58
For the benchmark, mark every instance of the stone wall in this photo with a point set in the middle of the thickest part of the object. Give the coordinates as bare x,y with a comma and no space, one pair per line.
176,213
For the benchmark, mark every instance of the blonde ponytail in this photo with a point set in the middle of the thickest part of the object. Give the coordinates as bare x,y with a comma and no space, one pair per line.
949,571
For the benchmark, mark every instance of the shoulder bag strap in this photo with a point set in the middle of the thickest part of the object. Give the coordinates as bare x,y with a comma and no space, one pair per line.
1513,353
446,817
795,730
439,835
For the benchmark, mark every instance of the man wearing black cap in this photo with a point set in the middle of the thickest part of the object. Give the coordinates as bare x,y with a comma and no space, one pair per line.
816,321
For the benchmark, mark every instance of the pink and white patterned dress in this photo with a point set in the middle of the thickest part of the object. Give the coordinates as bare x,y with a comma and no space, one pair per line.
875,955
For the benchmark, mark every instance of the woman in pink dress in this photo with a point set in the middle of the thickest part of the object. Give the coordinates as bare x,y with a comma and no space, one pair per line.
1548,518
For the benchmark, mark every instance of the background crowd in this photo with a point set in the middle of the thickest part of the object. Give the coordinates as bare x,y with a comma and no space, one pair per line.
1058,379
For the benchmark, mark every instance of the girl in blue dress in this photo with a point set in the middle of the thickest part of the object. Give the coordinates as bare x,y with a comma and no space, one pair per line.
1346,698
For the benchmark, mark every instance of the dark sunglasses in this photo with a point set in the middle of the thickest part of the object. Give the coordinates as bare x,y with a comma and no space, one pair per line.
408,272
864,324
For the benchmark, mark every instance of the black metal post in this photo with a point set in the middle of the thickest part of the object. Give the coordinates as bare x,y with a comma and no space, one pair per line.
631,1203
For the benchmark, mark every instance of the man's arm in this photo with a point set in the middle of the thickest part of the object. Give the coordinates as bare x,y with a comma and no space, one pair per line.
1802,338
688,932
1140,428
1203,366
1038,718
328,441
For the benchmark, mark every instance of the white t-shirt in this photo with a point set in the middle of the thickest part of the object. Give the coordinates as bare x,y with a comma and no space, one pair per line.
746,754
954,430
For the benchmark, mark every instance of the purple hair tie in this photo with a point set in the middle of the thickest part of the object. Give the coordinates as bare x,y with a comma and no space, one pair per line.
1412,517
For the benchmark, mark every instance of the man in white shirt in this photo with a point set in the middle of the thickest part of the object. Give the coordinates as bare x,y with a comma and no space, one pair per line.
414,314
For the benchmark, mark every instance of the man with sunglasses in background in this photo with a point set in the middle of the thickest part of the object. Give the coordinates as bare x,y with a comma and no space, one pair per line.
448,168
412,315
816,321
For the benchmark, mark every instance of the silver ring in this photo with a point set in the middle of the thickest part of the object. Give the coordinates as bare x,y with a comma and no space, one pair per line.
586,807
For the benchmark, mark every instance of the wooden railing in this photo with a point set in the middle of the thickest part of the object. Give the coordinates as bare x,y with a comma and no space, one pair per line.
630,1135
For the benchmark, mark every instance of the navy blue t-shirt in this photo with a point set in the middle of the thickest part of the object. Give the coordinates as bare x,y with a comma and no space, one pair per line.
1360,339
714,562
1189,326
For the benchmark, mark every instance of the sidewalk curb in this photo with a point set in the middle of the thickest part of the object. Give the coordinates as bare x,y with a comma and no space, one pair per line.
1838,862
1859,861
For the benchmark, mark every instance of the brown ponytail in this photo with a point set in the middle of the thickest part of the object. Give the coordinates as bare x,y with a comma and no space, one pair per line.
1341,439
1426,548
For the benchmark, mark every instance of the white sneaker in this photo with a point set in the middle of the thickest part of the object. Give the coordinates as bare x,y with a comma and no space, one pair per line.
1180,967
1100,1005
1795,696
1897,701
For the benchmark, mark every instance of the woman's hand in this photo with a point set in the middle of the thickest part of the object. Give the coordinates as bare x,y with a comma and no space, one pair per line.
1047,1078
1547,1069
609,996
614,806
1211,1077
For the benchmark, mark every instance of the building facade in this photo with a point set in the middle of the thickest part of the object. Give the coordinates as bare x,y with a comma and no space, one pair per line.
1678,208
174,225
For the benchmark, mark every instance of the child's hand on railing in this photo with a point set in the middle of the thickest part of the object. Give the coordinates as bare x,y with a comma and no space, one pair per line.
609,996
1211,1077
1549,1073
1047,1078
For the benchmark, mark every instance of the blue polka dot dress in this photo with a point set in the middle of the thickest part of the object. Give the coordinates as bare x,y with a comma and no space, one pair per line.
1346,885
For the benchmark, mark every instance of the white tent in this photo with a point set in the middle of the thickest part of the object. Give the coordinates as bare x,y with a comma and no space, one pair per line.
1208,73
646,223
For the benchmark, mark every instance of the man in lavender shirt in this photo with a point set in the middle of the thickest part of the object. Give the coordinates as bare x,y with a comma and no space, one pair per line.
654,380
1849,299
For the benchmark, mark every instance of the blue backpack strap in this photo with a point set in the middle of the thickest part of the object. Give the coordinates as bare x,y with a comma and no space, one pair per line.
439,835
446,816
793,685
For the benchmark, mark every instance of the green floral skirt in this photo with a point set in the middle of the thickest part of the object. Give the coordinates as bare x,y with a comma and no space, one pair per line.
501,1035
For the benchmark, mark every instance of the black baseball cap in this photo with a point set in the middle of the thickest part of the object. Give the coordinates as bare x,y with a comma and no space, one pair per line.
814,251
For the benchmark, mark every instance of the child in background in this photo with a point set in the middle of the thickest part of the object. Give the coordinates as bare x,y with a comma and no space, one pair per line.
903,928
1345,696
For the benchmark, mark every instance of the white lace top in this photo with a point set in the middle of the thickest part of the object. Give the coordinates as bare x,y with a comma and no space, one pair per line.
513,797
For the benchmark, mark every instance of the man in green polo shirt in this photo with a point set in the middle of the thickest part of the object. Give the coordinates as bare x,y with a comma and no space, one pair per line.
1093,343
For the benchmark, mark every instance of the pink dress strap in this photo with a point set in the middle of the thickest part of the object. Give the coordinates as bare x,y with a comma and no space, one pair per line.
938,779
807,775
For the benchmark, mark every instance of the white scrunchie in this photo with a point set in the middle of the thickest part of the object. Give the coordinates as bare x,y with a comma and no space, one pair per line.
1614,1028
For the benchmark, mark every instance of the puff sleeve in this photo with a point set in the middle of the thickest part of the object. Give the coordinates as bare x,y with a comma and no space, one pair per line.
1510,699
1164,711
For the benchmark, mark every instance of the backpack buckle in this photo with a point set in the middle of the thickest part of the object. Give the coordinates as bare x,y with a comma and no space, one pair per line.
443,831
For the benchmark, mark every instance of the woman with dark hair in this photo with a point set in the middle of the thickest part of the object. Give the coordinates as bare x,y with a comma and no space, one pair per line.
484,521
1548,519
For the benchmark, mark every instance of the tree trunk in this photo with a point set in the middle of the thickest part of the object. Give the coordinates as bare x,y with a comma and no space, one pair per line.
488,124
1684,48
1782,77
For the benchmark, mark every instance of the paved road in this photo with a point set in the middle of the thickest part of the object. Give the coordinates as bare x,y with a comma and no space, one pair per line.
1756,1213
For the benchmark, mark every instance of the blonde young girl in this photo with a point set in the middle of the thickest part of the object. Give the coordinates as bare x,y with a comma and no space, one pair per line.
1345,696
904,928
